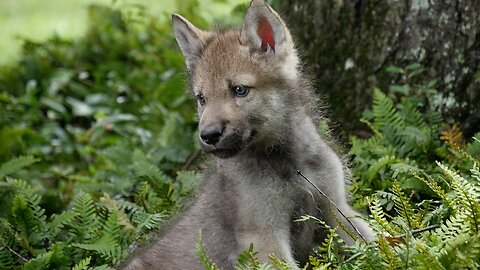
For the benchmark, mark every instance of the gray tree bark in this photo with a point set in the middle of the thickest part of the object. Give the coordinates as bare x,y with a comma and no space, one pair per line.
349,43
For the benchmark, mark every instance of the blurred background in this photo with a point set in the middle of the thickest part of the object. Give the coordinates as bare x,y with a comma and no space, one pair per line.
38,20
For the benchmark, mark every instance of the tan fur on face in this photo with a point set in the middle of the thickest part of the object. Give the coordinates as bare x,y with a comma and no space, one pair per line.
225,62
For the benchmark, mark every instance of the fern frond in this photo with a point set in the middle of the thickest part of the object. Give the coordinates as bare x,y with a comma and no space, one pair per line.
22,188
24,220
279,264
378,165
58,222
377,213
119,155
413,118
462,252
404,166
202,253
148,198
426,258
328,249
111,227
83,264
106,246
7,260
247,260
149,221
432,184
403,207
143,168
187,180
435,120
146,169
453,136
389,255
16,164
468,195
416,135
475,172
384,112
86,221
452,228
42,261
129,207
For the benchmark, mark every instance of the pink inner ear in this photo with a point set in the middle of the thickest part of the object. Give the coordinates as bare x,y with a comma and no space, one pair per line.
265,32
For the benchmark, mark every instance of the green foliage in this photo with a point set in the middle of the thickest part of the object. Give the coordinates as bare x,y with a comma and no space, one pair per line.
204,259
408,135
97,135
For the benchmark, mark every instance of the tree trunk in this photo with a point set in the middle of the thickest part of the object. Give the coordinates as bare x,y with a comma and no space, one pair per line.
348,45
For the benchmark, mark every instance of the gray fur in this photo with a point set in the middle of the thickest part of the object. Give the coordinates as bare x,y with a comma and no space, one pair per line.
253,193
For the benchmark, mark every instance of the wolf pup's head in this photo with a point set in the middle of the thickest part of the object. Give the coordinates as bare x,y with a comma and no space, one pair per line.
242,80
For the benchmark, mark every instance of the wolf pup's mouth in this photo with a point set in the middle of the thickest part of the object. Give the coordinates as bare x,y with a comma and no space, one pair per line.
230,146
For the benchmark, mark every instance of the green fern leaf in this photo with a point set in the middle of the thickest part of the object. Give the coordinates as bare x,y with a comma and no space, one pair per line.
42,261
146,169
432,184
452,228
378,215
111,227
403,207
58,222
7,260
388,253
328,249
24,220
462,252
25,189
22,188
202,253
247,260
105,246
378,165
148,198
83,264
147,221
16,164
468,196
385,113
86,222
426,257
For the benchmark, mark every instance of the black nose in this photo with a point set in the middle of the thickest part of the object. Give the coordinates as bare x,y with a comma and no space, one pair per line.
212,134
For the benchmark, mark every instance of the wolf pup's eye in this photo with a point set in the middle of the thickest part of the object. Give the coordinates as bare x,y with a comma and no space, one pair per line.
240,90
201,99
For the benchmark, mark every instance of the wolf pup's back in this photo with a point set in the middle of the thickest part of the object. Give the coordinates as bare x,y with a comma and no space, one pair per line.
255,118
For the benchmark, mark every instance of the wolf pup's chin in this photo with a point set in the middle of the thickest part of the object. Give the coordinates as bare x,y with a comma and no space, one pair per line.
256,122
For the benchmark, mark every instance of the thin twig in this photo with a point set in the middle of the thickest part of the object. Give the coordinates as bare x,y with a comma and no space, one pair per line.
190,159
338,209
416,231
15,253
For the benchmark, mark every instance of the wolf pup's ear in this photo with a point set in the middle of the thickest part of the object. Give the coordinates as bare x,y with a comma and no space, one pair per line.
264,30
190,39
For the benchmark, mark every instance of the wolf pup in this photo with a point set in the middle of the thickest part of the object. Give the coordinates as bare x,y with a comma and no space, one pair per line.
255,119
